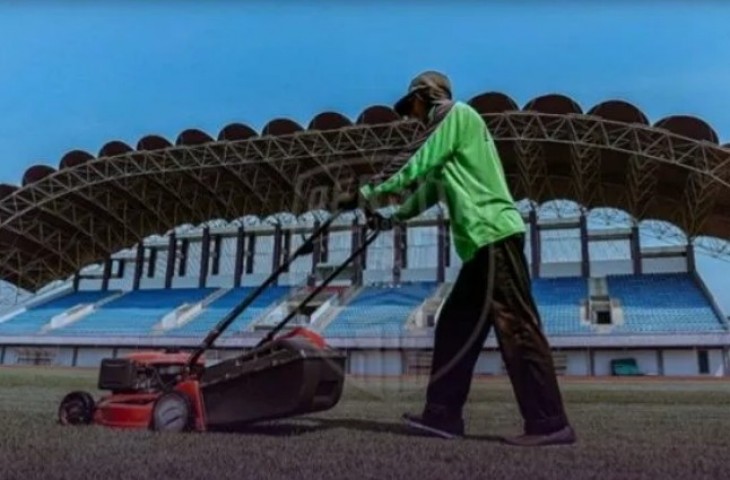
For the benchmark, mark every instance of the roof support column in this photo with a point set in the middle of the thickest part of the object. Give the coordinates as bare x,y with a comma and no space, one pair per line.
171,254
635,241
691,262
106,274
354,244
404,246
238,267
152,262
324,253
122,268
447,244
585,261
363,262
535,244
286,248
184,249
217,247
317,252
250,252
398,256
441,251
204,258
276,257
138,266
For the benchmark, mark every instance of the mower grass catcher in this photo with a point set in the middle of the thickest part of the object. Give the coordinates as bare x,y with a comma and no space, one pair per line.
292,374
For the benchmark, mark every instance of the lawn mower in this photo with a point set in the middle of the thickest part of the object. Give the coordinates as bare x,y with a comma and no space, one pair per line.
282,376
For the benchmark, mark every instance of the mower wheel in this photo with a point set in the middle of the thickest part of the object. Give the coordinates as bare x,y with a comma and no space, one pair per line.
172,412
76,408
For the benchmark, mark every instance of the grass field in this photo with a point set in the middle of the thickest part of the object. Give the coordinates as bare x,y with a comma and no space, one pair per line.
645,429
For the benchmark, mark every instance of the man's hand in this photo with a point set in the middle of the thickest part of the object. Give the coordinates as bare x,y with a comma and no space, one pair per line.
376,221
348,201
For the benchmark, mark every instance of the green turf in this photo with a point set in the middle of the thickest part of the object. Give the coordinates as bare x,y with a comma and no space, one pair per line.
645,429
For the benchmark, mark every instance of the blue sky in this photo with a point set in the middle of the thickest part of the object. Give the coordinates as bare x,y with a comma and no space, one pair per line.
75,74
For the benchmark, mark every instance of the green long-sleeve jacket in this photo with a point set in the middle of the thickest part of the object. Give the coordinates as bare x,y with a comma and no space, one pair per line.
456,161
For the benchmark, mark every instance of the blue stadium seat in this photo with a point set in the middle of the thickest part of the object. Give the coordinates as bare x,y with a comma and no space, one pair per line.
558,301
214,312
134,313
656,303
32,320
377,312
662,303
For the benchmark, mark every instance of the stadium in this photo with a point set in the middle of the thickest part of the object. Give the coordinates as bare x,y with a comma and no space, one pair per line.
148,247
151,246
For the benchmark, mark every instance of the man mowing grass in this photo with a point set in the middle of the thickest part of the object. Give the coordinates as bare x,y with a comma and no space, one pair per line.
456,161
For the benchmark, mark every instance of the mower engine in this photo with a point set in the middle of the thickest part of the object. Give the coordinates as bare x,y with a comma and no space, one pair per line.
145,388
141,373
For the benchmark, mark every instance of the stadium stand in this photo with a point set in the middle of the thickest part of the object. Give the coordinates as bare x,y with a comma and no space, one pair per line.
650,303
377,311
32,320
214,312
667,303
559,301
134,313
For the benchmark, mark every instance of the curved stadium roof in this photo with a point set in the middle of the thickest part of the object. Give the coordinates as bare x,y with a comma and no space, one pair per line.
90,206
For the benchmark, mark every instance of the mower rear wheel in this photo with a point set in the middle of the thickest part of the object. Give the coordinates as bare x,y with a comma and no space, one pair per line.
76,408
172,412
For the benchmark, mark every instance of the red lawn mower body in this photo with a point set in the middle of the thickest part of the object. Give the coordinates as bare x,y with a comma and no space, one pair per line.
295,373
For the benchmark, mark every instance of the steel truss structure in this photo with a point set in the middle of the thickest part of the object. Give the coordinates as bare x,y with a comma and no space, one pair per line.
91,207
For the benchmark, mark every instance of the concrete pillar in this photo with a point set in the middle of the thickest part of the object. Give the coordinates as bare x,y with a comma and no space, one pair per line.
287,246
356,241
276,257
152,262
250,253
217,247
585,260
398,234
363,231
324,252
106,274
635,241
238,267
171,254
183,265
138,266
691,263
317,253
440,247
447,243
535,247
404,246
204,258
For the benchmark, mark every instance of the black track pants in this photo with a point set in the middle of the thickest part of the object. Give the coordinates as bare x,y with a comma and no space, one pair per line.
463,326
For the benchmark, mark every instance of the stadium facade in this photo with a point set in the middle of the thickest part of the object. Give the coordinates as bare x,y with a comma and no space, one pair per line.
157,243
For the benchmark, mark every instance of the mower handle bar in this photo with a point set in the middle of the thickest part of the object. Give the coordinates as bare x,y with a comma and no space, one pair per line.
270,336
303,249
